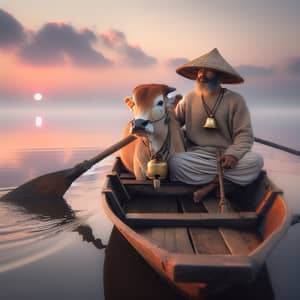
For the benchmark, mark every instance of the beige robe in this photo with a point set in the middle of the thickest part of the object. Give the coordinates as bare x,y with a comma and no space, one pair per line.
234,136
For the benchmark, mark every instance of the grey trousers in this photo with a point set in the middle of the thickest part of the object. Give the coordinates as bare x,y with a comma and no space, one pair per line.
200,167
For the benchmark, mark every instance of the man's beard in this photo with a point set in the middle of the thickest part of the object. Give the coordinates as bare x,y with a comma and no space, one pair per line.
209,84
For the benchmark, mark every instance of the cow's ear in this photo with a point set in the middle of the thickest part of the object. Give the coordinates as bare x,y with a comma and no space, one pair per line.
173,101
130,103
167,90
170,89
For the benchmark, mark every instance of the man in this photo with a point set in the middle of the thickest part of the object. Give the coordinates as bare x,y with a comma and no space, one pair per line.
214,118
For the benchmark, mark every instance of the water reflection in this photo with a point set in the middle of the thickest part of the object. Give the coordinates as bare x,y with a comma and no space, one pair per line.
17,167
128,276
62,127
25,234
32,230
38,121
65,254
87,236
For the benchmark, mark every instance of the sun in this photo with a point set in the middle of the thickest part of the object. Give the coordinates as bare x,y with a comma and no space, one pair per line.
37,96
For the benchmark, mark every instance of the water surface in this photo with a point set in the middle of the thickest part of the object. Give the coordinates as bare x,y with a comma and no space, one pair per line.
48,257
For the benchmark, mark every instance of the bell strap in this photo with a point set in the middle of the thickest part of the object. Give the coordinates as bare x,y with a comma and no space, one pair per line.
165,115
211,112
165,147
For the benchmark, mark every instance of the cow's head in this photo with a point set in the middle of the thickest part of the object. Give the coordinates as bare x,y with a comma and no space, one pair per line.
149,105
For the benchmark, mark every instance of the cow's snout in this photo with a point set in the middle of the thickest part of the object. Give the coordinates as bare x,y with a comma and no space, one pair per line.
141,126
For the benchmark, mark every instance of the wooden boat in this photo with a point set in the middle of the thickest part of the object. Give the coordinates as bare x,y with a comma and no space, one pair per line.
193,246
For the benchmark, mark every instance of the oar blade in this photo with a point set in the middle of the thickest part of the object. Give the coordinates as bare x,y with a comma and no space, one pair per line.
52,185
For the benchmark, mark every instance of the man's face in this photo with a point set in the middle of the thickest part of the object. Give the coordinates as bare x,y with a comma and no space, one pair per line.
206,75
208,79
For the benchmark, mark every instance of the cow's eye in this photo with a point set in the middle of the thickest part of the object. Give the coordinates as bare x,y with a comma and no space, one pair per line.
160,103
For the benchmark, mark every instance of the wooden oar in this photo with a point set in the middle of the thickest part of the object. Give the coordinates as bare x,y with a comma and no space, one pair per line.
224,205
54,185
277,146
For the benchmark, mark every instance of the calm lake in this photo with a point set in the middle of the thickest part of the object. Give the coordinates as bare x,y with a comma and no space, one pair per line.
72,254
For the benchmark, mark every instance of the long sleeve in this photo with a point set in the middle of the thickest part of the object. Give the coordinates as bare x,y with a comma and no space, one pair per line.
241,129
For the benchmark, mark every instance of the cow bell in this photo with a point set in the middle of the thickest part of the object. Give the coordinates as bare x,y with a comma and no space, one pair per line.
210,123
157,170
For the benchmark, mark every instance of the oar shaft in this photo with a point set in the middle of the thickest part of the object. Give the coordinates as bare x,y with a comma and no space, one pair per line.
220,174
223,203
87,164
54,185
115,147
277,146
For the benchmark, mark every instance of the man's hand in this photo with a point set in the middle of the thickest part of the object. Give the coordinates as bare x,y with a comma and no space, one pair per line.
228,161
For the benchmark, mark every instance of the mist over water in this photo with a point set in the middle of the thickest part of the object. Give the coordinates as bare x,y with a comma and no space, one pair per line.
278,124
64,257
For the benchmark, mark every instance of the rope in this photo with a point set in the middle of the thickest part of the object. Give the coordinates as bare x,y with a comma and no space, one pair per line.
165,147
211,112
155,121
164,150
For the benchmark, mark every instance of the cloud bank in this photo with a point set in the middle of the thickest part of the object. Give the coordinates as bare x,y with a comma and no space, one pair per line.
293,66
53,43
58,43
131,55
176,62
12,32
255,71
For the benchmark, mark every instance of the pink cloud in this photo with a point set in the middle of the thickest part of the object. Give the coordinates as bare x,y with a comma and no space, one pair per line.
131,55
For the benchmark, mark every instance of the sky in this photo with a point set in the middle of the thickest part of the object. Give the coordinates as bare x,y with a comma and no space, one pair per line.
99,50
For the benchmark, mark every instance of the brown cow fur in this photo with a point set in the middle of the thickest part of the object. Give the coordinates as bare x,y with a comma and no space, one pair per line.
136,155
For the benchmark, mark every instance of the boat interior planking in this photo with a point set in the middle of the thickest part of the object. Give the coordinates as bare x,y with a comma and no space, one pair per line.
194,243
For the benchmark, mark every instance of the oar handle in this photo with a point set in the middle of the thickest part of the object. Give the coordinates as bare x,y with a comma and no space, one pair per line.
223,203
277,146
87,164
115,147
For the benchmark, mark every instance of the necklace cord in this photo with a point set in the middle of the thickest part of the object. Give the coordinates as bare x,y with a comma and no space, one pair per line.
211,112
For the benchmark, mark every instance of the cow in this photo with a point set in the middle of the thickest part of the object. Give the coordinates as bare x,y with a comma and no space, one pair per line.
158,132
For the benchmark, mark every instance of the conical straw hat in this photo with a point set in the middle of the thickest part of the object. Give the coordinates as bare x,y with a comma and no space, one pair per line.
212,60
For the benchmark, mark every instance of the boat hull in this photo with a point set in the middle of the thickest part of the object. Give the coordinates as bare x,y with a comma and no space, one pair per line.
195,255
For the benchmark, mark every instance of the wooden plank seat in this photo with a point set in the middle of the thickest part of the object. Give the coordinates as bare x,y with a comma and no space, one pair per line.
173,239
234,220
171,219
142,217
145,188
235,228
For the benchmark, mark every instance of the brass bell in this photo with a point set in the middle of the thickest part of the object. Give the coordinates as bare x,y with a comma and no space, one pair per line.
157,170
210,122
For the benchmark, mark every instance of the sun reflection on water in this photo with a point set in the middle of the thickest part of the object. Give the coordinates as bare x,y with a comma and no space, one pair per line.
70,137
38,121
